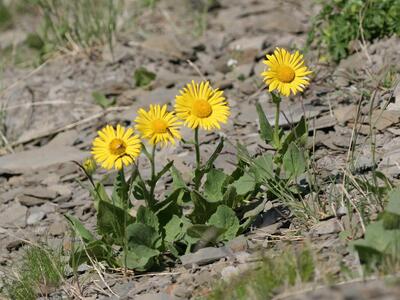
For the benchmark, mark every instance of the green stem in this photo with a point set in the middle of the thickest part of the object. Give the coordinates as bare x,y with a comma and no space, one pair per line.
197,147
153,174
276,127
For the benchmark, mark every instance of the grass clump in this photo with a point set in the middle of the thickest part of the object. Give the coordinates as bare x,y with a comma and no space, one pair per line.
76,23
41,271
271,276
343,21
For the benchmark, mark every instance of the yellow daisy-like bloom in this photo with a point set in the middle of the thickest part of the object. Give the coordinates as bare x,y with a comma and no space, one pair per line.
115,148
286,72
158,125
199,105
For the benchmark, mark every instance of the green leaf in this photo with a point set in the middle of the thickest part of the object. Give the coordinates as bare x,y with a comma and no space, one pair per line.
276,98
209,164
225,218
169,207
202,208
146,216
393,205
120,191
174,229
143,77
263,167
99,194
230,198
207,234
102,100
164,170
297,134
245,184
266,130
177,180
142,234
112,221
80,229
214,185
94,250
294,161
140,258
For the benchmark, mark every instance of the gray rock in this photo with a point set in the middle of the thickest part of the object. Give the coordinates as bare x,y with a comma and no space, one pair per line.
40,192
14,215
326,227
153,296
35,217
29,200
204,256
229,272
39,158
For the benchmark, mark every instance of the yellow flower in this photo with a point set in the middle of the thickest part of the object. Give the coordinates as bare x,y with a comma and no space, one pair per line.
286,72
201,106
157,125
89,164
114,148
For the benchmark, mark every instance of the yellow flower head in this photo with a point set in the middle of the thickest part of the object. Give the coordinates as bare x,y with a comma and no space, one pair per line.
286,72
158,125
89,164
114,148
201,106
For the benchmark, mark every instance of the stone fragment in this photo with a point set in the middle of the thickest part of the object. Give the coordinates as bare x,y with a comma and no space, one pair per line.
40,192
326,227
229,272
35,217
153,296
204,256
14,215
30,201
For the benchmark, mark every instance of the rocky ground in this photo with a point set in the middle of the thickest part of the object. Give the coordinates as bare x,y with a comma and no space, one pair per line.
51,119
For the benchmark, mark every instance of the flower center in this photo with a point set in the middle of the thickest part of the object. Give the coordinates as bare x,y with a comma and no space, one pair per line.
201,109
285,74
117,147
159,126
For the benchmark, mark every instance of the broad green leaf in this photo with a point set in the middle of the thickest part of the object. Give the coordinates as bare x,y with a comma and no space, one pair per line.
177,179
164,170
140,258
298,134
263,167
294,161
166,209
120,191
95,251
245,184
214,184
80,229
225,218
143,77
174,229
112,221
99,194
230,197
209,164
102,100
393,205
146,216
202,208
142,234
266,130
207,234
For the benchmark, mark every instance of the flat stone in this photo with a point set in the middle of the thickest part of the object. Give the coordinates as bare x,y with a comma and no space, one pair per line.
40,192
229,272
35,217
10,195
14,215
42,157
58,228
238,244
204,256
153,296
326,227
30,201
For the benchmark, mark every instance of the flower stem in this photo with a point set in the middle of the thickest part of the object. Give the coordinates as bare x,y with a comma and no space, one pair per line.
153,174
276,127
197,147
